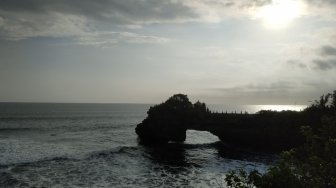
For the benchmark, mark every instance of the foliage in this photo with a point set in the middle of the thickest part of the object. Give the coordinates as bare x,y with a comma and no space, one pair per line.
326,105
315,162
312,165
279,176
333,103
242,179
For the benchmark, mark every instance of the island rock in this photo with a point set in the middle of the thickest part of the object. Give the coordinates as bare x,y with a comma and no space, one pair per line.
170,120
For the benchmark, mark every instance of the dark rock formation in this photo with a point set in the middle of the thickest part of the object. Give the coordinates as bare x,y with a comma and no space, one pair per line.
266,130
170,120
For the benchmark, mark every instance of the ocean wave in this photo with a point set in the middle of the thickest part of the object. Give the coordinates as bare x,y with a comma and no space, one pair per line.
131,150
16,129
120,150
171,165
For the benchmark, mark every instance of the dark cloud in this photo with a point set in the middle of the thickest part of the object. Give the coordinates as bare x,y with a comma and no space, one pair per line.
255,3
280,86
327,61
275,86
88,21
328,50
84,18
321,2
119,12
263,93
123,11
317,85
280,92
325,64
297,63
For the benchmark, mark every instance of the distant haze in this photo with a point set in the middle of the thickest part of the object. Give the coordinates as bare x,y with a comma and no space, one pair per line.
216,51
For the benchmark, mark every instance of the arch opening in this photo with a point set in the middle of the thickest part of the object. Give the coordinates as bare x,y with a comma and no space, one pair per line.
200,137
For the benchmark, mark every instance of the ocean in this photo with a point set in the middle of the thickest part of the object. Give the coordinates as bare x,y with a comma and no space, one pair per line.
95,145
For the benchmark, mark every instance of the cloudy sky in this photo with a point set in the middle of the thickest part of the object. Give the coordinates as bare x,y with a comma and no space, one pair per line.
143,51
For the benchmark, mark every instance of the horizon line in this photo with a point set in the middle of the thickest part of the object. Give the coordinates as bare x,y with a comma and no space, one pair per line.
143,103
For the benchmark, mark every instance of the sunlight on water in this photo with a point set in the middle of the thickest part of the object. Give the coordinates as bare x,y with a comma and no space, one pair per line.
253,108
280,107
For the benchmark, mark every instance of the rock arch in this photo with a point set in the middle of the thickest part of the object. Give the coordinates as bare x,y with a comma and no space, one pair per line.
170,120
268,130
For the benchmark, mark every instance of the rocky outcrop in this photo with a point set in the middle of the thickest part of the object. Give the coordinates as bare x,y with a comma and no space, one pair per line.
170,120
269,130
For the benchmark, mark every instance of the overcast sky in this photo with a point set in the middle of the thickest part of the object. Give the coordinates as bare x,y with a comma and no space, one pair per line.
143,51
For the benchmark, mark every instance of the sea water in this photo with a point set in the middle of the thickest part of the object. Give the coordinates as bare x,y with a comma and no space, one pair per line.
95,145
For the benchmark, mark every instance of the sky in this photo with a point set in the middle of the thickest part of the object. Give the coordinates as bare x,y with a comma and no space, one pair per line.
143,51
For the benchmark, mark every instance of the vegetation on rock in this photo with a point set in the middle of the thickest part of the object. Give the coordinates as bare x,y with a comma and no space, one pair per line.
170,120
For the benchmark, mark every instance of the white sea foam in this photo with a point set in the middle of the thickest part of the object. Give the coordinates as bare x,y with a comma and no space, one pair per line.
82,148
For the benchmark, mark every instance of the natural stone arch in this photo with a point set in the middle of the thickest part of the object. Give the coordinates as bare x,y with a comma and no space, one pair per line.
270,130
170,120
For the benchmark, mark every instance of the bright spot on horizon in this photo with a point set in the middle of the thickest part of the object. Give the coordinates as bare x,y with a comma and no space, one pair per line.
280,13
282,107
